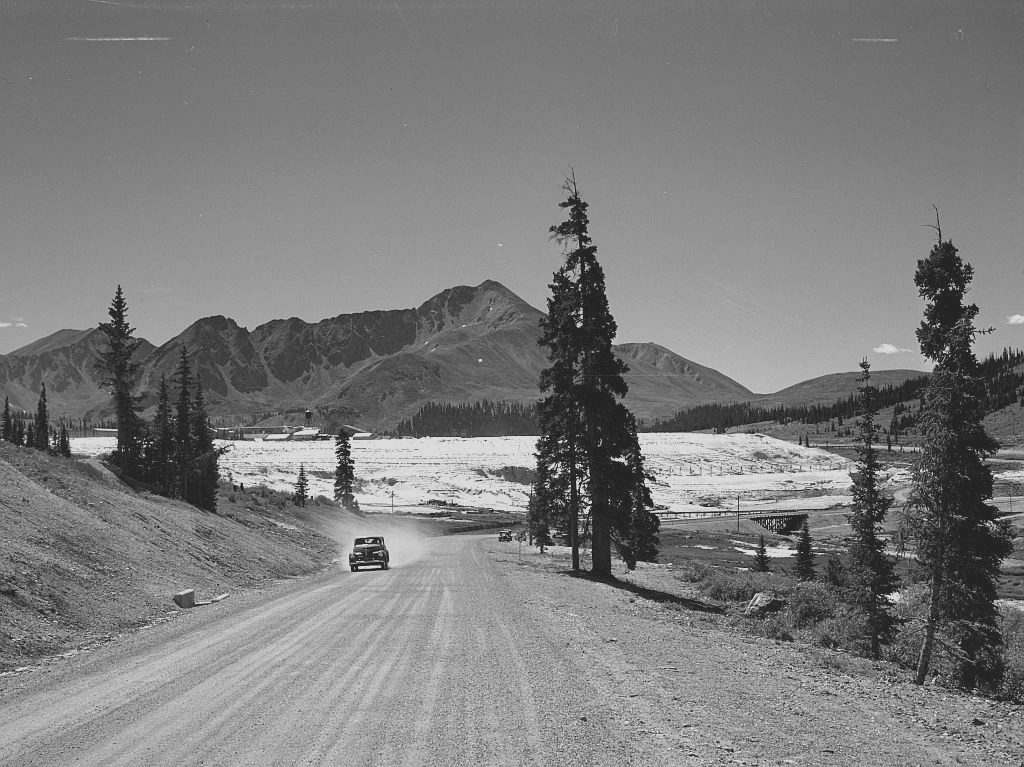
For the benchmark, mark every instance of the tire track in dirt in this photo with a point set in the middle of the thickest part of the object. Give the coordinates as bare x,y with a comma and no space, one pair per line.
438,662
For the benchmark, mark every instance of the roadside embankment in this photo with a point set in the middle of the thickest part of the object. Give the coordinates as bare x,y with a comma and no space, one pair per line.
83,558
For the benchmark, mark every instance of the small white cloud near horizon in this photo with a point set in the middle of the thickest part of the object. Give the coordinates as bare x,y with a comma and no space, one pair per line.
876,39
1015,319
891,349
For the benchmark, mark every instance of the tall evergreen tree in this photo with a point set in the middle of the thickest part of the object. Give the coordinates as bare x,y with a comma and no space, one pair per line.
548,496
7,424
301,487
559,448
64,442
42,431
163,441
869,575
761,562
584,425
959,540
118,368
804,564
205,473
637,529
344,472
183,449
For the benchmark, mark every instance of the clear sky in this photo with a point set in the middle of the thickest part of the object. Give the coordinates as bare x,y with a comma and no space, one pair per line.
760,174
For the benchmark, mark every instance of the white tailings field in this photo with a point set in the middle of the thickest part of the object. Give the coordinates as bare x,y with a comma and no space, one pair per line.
693,472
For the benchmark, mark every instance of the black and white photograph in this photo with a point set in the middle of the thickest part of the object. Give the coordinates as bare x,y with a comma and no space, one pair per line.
512,383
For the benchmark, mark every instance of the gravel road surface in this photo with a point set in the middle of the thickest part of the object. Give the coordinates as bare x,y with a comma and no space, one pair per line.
467,656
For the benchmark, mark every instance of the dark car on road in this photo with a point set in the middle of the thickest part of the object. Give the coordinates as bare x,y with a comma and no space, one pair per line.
369,551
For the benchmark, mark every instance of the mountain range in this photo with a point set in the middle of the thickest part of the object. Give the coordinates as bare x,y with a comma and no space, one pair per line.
371,368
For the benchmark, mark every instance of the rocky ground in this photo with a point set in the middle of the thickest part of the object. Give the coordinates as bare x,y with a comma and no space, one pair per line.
758,701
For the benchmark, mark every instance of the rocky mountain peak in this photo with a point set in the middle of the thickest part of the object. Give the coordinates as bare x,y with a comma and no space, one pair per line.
476,310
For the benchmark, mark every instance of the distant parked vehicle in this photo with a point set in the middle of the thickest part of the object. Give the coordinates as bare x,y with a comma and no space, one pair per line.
504,535
369,551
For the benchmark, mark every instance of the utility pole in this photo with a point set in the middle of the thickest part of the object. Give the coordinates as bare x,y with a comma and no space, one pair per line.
737,512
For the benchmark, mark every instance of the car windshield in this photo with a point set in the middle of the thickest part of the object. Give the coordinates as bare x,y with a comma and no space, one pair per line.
368,541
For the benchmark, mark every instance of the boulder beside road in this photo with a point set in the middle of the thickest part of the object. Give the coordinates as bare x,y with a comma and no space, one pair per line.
763,603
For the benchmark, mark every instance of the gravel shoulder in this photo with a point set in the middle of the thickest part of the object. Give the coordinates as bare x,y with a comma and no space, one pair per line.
725,698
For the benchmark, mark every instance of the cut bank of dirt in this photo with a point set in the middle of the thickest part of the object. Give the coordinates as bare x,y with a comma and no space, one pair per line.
83,558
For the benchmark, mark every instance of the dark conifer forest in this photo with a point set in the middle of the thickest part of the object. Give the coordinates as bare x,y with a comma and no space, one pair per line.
1003,376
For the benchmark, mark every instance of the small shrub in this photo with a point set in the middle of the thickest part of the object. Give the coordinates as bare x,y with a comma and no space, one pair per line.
773,628
809,604
691,572
844,629
725,586
1011,624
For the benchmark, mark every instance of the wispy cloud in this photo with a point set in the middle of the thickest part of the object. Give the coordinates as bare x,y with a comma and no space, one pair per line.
140,39
891,349
876,39
1015,319
17,322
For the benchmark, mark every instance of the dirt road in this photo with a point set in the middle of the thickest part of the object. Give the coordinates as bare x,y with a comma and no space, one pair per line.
466,657
438,662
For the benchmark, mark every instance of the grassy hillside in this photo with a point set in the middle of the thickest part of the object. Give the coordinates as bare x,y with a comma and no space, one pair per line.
83,557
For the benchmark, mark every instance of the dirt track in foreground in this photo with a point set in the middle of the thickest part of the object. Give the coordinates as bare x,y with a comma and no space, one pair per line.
468,657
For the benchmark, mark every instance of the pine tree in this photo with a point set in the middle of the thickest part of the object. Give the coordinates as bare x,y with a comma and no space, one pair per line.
29,435
804,564
637,529
959,540
184,451
584,426
761,557
118,368
163,441
559,459
869,575
7,424
205,456
548,496
64,442
42,423
301,487
344,472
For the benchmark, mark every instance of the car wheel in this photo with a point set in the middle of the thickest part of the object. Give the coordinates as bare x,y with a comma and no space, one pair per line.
354,568
384,566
